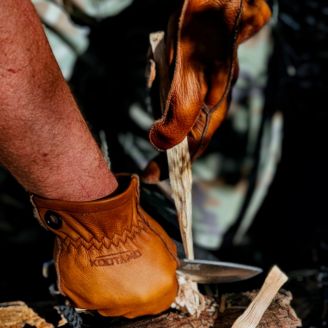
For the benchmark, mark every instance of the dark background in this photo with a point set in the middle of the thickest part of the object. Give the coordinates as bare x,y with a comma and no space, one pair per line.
291,227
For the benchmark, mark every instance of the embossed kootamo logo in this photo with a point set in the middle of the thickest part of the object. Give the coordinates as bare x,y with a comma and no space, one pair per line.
116,258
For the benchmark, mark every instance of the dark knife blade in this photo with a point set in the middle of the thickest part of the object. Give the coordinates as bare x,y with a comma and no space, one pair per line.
215,272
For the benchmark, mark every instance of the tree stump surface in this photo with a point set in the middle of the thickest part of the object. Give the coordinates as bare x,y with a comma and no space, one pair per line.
228,308
219,314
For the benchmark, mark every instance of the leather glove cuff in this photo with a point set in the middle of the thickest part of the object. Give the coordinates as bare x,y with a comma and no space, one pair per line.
88,222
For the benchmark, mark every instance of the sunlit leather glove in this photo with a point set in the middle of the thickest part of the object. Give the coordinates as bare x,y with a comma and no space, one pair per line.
110,255
201,52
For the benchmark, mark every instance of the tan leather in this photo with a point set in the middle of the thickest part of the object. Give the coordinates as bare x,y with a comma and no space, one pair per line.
110,255
201,49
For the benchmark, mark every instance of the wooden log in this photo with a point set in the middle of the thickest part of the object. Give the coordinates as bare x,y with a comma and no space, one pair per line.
18,315
223,314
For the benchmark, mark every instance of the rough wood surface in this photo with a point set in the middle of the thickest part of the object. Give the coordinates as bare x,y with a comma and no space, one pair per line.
18,315
280,314
229,307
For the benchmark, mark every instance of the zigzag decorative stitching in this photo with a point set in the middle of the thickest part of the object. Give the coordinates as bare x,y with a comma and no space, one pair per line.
128,234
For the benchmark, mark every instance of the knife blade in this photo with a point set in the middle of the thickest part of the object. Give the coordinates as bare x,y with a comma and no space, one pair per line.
215,272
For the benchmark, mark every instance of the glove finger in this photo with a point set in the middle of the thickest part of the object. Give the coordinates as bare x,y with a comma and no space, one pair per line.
255,15
182,111
185,87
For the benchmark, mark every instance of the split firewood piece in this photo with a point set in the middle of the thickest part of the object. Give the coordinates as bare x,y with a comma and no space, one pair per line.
178,157
189,298
254,313
181,184
18,315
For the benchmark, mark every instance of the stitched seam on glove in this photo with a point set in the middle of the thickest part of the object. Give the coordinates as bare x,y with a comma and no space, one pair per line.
157,234
115,241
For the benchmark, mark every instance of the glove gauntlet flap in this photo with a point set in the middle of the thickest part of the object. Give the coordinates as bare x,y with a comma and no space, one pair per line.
201,56
193,72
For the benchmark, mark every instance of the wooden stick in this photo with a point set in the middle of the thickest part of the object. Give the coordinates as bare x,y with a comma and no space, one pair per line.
254,313
181,183
178,157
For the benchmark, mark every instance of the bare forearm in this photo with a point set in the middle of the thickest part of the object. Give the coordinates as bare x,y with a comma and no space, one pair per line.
44,140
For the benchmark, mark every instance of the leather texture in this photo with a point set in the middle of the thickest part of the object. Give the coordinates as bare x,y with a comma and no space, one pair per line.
110,255
201,49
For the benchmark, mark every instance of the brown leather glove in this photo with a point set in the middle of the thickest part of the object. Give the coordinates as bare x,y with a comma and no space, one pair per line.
201,54
110,255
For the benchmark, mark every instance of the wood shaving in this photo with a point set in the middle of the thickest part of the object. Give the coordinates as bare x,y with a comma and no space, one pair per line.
189,299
